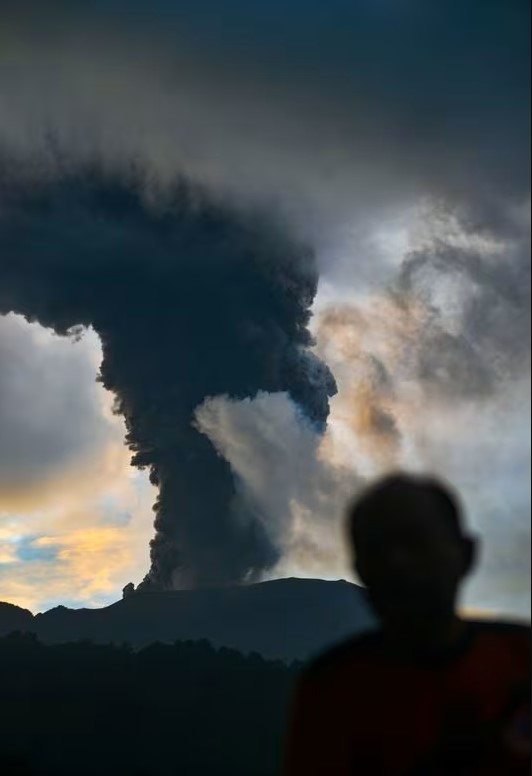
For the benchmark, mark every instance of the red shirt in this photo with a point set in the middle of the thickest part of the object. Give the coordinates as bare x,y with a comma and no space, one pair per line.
362,710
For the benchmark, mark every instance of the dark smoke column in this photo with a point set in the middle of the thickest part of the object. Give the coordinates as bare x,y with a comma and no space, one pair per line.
190,300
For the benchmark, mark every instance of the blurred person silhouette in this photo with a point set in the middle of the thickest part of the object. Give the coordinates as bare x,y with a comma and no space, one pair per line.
428,692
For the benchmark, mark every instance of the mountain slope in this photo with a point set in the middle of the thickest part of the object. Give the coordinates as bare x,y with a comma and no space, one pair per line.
285,619
13,618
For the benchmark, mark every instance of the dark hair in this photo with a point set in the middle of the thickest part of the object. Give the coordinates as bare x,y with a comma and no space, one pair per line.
408,491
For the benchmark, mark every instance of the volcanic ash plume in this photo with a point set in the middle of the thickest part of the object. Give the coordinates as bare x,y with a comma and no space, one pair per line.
190,301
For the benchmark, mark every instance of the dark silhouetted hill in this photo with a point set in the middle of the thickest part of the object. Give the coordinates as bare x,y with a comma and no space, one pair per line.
165,710
289,619
13,618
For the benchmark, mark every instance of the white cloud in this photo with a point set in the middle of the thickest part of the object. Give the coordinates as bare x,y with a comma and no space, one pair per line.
284,472
74,517
57,430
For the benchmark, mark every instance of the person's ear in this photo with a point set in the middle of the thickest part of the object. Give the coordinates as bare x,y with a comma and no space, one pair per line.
360,568
471,552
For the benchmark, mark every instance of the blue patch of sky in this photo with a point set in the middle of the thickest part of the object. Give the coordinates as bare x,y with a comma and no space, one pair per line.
53,603
97,602
29,551
112,514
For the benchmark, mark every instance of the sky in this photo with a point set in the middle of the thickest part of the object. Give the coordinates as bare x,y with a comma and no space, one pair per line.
392,137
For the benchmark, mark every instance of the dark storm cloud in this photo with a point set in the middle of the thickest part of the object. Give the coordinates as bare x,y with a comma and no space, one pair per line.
337,105
489,340
329,111
190,300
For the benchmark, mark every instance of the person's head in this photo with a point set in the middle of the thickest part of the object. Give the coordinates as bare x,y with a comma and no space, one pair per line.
411,551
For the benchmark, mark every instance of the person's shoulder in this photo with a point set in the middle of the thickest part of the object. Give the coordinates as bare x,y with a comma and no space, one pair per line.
346,653
505,636
502,628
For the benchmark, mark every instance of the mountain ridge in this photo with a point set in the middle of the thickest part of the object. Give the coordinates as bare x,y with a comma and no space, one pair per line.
287,619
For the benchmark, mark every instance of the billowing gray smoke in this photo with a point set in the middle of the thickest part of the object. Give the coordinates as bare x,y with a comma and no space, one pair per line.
190,300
